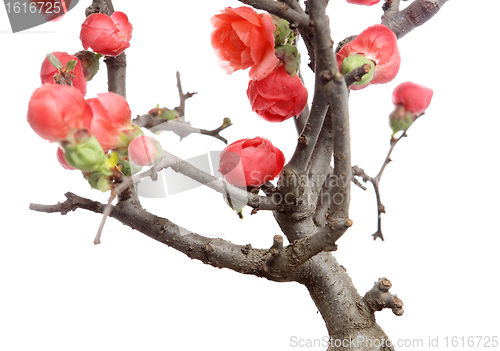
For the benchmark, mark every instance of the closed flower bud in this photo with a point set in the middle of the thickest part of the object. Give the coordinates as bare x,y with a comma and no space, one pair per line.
144,151
106,35
379,45
410,101
57,112
414,97
278,96
251,162
111,122
74,76
243,39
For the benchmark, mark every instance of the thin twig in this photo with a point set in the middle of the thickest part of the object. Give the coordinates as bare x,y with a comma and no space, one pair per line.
357,74
182,96
179,126
359,172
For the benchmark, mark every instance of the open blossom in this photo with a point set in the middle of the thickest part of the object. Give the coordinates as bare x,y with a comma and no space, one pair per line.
48,71
144,151
278,96
363,2
111,122
106,35
379,45
243,39
410,101
57,112
251,162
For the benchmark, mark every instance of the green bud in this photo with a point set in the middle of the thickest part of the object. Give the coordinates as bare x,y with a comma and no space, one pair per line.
128,135
98,181
103,184
354,61
168,114
290,56
400,119
90,63
87,155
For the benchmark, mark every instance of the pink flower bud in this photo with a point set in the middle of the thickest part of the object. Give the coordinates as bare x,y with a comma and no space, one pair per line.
378,44
414,97
111,119
144,151
278,96
363,2
106,35
242,38
48,71
410,101
57,112
251,162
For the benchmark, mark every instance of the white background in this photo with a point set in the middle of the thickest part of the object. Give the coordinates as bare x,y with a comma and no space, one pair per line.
58,291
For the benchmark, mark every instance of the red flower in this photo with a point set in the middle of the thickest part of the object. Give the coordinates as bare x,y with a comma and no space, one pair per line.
414,97
379,44
48,71
277,97
106,35
111,120
363,2
57,112
242,38
144,151
251,162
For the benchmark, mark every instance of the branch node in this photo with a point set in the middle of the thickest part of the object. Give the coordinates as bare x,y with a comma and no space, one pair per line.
277,248
379,298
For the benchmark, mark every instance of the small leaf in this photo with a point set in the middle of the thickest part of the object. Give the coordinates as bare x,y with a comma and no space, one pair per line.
54,61
71,65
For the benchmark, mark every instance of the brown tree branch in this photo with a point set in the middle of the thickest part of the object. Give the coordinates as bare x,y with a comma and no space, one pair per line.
178,126
378,298
277,263
282,10
183,167
404,21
